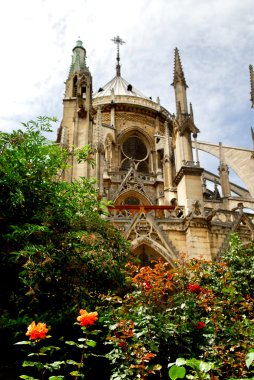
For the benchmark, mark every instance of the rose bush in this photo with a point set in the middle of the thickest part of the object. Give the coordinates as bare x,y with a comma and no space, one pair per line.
201,311
58,256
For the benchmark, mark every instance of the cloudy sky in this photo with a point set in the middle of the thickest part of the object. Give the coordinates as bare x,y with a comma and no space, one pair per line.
215,39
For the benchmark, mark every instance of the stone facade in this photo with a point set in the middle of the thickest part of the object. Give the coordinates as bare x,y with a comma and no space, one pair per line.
147,164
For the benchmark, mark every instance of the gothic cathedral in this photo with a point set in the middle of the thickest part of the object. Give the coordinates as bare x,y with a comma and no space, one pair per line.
147,164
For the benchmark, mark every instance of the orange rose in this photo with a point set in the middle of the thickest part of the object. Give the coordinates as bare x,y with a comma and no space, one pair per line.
38,331
86,319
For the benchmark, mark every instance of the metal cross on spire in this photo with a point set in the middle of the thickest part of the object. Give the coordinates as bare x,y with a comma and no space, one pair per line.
118,41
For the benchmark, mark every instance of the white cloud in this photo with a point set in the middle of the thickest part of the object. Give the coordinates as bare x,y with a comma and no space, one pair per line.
214,38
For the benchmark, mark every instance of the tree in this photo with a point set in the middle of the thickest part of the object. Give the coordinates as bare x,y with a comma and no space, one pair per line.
57,253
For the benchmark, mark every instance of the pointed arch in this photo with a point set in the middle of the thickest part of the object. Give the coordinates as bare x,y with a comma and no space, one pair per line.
144,229
162,252
136,130
132,182
143,200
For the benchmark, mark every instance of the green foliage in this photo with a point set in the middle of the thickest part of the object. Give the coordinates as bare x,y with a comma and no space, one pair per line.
45,362
184,315
28,162
200,312
57,253
199,369
249,358
176,372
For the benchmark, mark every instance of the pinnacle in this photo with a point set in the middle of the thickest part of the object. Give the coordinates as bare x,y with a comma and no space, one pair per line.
252,85
178,70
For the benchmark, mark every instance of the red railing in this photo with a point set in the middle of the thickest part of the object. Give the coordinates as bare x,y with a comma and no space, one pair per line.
133,209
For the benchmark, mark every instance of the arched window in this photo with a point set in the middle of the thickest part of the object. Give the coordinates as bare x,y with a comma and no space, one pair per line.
126,164
134,148
131,201
135,152
143,167
75,86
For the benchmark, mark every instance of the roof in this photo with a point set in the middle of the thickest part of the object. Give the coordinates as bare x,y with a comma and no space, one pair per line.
119,86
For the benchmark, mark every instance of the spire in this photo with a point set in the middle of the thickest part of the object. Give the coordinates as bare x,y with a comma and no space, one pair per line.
78,63
178,71
191,112
118,41
252,86
180,86
252,136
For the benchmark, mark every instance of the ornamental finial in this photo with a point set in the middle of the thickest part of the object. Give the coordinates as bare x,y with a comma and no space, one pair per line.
118,41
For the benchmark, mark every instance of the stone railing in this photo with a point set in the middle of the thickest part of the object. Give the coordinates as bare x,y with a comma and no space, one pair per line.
120,176
158,212
191,163
226,217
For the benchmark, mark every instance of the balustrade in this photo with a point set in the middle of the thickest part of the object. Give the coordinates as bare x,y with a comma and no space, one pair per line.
158,212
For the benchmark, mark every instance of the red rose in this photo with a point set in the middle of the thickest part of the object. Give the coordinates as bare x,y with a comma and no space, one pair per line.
194,288
199,326
147,285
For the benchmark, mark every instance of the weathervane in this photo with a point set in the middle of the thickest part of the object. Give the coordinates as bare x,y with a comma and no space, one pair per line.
118,41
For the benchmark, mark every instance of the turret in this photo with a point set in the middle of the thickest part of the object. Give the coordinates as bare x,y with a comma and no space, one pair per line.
79,79
76,126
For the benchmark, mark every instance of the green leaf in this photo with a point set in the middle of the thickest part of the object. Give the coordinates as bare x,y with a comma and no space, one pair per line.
72,362
49,348
180,362
71,343
193,363
56,364
91,343
56,377
27,377
95,332
176,372
75,373
249,359
24,342
157,367
205,367
29,364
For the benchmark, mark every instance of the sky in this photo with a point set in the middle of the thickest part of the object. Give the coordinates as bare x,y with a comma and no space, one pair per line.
215,39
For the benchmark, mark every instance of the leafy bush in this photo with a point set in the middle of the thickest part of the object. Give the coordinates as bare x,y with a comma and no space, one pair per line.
201,311
57,253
